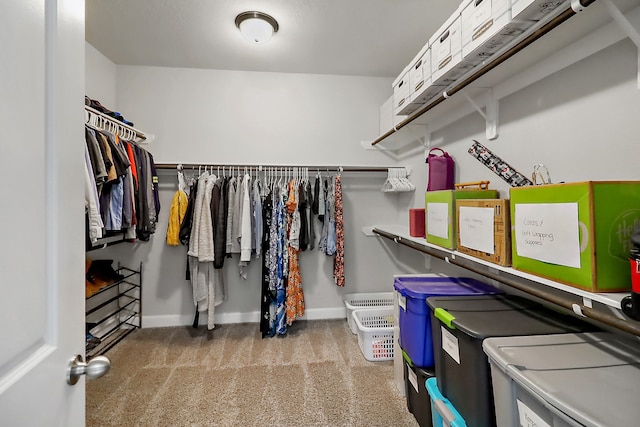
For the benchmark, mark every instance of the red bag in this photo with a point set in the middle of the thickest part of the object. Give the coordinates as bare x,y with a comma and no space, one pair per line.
441,171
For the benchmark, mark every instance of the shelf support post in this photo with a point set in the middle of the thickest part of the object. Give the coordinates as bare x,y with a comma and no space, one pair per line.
490,114
626,27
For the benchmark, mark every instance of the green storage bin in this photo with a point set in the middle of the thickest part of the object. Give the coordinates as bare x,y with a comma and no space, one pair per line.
577,233
441,222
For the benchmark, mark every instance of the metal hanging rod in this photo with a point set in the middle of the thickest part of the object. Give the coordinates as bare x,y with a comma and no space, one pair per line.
253,168
125,130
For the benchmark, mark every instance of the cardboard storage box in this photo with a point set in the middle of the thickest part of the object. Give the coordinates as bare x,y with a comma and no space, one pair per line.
487,27
417,79
577,233
441,213
401,91
446,51
388,119
534,10
459,326
589,379
484,229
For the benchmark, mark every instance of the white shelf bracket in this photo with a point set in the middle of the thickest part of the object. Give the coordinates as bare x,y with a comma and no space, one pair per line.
490,114
626,27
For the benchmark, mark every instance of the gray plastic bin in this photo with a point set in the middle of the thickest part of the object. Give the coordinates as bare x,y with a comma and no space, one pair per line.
586,379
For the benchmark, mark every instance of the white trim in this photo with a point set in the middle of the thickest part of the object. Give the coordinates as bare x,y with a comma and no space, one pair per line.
238,317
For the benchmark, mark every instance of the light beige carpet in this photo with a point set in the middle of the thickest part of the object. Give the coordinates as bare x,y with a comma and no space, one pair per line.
315,376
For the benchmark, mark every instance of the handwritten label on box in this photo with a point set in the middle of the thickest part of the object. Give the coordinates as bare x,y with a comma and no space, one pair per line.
438,220
548,232
528,418
476,228
450,344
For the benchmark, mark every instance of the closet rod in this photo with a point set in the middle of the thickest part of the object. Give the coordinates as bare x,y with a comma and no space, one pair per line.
116,122
311,168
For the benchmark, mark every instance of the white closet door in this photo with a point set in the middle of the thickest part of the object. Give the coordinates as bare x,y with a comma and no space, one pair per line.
42,251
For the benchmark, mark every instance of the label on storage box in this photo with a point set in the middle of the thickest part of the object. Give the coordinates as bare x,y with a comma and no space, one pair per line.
476,228
413,378
528,418
548,232
402,302
450,344
438,220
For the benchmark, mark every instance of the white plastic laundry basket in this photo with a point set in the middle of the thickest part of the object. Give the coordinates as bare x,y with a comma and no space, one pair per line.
365,300
375,333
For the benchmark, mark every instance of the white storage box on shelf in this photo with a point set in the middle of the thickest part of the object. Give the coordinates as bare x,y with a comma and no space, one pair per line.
534,10
421,83
375,333
388,119
361,301
487,27
401,91
446,51
417,78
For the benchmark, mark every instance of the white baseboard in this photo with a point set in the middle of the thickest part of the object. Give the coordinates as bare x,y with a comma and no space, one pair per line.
224,318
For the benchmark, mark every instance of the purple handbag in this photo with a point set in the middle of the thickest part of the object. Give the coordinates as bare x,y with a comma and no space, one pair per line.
441,170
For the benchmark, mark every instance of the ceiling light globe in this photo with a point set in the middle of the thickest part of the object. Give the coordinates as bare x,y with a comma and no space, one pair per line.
256,30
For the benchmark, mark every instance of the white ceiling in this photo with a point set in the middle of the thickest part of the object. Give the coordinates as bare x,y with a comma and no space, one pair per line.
344,37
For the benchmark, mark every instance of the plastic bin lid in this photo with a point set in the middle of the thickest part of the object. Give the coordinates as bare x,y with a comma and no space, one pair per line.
593,378
485,316
446,410
422,287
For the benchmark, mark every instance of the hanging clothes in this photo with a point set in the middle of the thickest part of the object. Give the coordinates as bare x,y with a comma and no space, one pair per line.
177,212
309,213
281,266
338,263
267,297
115,177
295,295
245,227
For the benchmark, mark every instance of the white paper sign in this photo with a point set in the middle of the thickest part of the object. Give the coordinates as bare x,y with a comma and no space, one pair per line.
548,232
438,220
528,418
476,228
402,302
413,378
450,344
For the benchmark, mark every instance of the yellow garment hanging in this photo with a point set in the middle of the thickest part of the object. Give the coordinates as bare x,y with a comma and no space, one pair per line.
176,215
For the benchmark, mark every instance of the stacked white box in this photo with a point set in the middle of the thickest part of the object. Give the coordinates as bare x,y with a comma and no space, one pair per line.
417,78
534,10
487,27
401,91
446,51
388,119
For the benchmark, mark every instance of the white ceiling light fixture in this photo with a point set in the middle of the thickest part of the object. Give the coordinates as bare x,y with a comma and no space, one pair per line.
256,27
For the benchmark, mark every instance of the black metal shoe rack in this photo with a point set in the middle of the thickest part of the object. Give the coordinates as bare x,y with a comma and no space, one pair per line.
114,311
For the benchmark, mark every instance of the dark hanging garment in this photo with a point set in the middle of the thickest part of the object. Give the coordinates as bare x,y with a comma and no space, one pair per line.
302,209
316,196
219,229
267,296
187,221
309,214
143,227
156,194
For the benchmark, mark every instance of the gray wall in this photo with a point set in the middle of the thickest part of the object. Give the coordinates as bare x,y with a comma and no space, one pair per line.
581,122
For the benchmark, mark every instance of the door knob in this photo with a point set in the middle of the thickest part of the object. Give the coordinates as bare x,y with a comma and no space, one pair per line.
95,368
